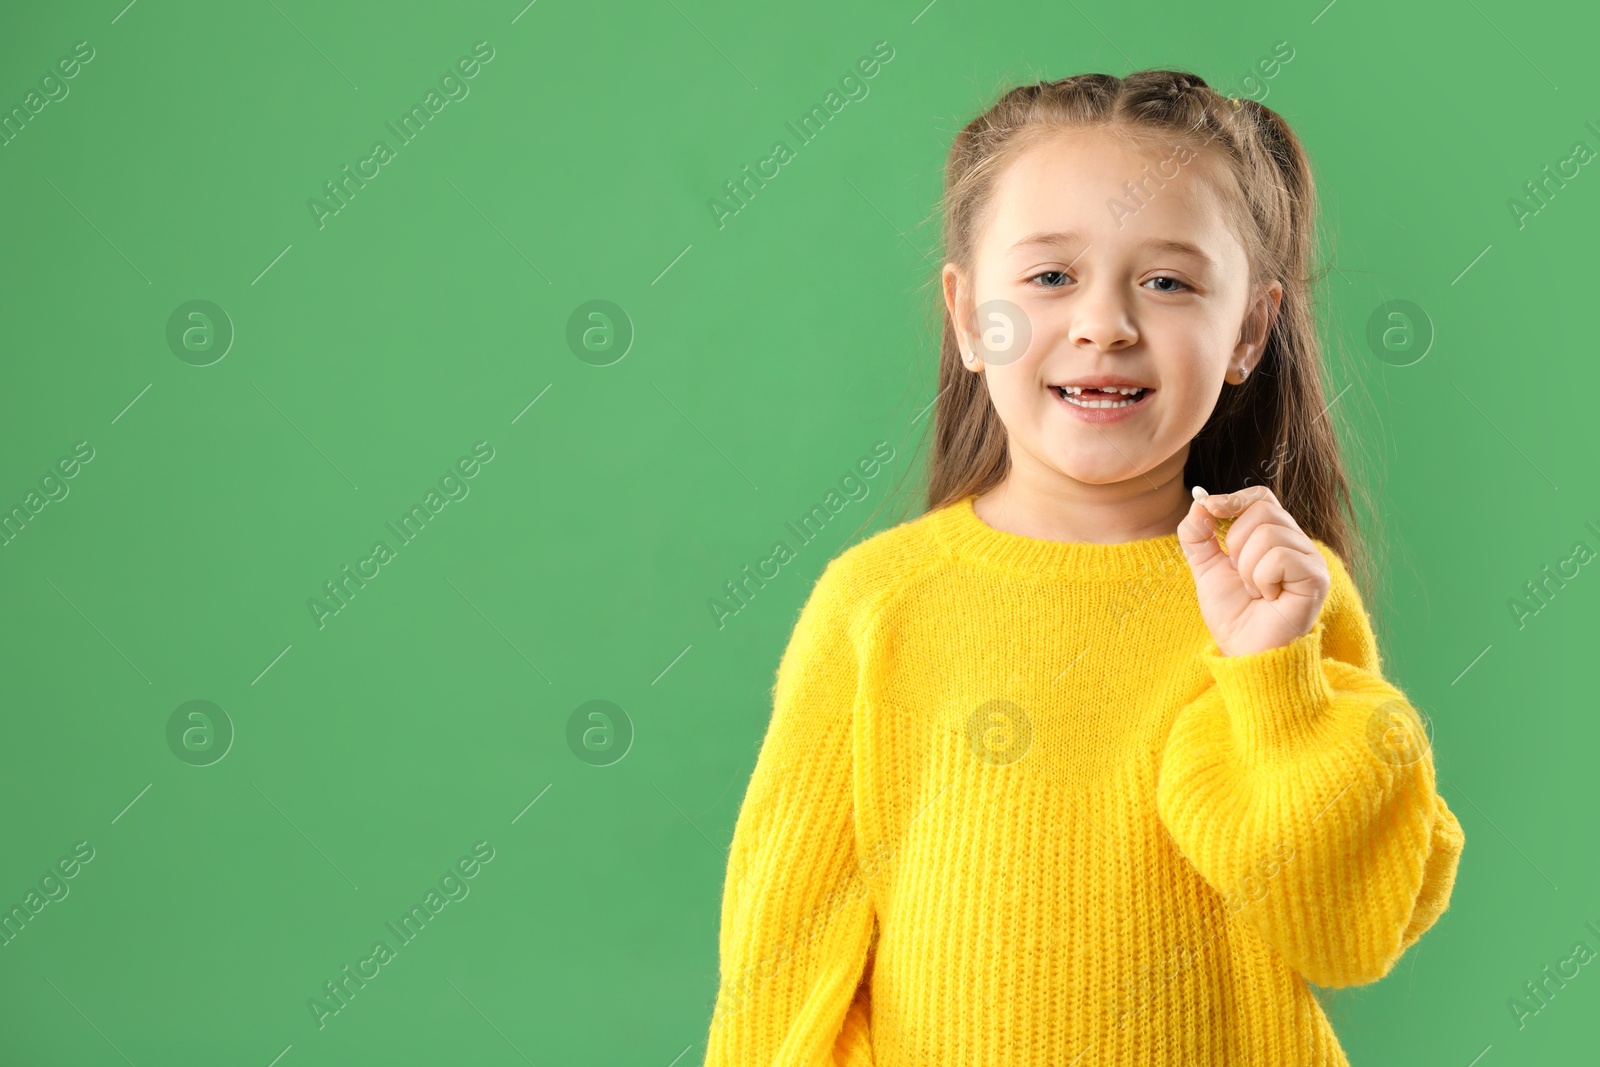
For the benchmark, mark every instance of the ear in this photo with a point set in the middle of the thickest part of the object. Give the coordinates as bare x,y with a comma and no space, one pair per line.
1257,327
958,302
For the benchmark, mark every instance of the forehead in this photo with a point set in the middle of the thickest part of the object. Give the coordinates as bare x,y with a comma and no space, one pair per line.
1079,180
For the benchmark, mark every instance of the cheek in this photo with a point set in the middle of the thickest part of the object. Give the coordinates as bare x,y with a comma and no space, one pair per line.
1012,394
1188,404
1189,367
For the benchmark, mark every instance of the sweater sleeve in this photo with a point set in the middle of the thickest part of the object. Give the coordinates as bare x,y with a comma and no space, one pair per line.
1301,786
797,918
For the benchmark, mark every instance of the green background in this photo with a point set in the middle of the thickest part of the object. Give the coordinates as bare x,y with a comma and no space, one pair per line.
769,355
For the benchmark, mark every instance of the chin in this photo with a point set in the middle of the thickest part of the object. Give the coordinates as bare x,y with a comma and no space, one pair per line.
1097,475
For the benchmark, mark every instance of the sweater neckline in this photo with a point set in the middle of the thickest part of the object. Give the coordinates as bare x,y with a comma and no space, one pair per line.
967,537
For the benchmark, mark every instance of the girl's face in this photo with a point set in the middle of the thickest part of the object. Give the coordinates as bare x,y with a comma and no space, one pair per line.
1142,281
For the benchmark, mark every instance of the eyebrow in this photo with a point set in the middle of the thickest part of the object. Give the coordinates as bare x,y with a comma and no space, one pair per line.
1158,244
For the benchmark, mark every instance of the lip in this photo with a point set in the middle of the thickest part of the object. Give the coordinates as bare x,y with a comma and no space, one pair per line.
1104,415
1101,381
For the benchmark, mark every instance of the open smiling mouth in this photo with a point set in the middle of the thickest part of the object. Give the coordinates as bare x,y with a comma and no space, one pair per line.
1110,398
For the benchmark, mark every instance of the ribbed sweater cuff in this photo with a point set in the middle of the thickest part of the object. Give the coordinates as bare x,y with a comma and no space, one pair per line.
1274,697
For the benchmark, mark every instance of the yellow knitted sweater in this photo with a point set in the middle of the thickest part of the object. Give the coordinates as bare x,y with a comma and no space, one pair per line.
1014,808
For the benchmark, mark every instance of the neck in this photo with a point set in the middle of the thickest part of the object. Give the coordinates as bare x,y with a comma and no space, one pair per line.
1054,507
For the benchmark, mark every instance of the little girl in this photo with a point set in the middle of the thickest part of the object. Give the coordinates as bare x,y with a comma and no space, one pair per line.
1082,765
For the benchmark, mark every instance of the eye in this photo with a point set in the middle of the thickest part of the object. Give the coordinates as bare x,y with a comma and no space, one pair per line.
1050,274
1164,278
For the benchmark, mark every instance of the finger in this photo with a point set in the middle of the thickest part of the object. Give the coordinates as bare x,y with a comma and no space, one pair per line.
1286,568
1227,505
1260,511
1261,559
1256,543
1271,570
1197,536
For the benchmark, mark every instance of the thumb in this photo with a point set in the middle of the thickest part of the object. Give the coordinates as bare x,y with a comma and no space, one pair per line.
1197,536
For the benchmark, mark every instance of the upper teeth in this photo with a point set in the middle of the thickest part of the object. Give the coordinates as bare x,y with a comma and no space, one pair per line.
1124,390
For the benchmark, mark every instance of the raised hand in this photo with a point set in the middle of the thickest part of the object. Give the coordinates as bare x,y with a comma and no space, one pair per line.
1268,588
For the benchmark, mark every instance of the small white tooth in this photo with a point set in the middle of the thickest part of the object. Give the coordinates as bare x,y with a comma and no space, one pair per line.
1077,390
1101,403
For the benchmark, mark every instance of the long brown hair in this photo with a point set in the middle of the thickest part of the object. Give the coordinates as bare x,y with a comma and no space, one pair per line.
1276,428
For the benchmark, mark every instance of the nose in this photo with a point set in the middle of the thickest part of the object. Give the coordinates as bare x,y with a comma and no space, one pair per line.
1100,319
